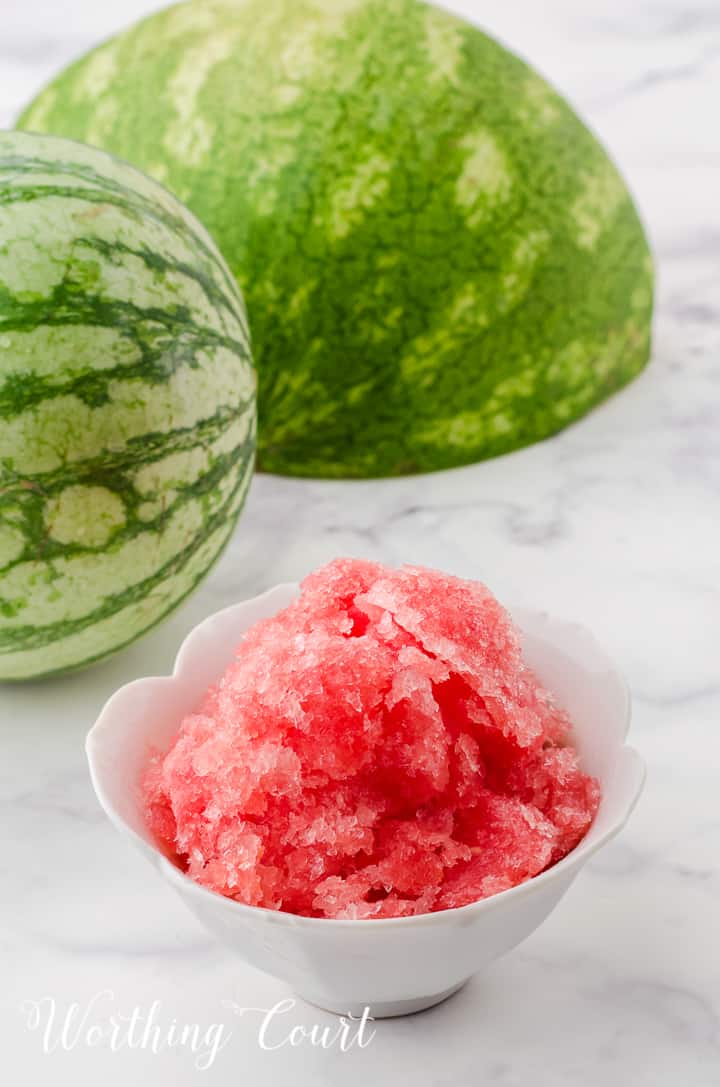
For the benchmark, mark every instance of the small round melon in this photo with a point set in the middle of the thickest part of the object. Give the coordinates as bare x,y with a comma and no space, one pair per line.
440,261
127,404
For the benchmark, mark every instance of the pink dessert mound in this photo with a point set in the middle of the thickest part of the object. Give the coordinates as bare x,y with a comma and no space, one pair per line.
377,749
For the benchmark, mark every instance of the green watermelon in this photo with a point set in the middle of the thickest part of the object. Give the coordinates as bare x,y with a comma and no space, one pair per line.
439,260
127,404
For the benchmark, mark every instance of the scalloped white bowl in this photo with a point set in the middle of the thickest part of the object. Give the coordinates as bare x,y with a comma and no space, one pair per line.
399,965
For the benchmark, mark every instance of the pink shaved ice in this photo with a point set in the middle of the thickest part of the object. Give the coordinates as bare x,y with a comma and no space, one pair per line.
377,749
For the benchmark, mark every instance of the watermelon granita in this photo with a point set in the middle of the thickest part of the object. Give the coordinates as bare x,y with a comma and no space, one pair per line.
376,749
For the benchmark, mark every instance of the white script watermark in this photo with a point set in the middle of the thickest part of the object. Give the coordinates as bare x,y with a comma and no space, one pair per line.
98,1024
274,1031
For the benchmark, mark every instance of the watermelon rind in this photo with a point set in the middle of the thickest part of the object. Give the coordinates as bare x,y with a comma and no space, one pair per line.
440,261
127,404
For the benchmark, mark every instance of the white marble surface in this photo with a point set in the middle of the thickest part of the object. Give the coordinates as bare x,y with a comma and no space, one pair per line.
616,522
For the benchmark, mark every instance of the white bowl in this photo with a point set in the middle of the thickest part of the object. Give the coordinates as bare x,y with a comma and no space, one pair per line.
394,966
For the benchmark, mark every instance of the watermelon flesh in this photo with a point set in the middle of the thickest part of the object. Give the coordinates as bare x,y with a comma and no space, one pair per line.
377,749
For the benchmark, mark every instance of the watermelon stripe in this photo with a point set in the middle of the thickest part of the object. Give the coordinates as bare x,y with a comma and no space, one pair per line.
149,448
22,672
33,502
130,200
63,307
18,194
157,262
35,637
23,638
106,186
127,404
20,390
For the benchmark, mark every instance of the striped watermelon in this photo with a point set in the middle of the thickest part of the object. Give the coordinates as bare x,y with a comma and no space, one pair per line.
440,262
127,404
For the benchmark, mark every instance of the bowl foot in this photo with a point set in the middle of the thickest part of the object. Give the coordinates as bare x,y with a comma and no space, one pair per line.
381,1009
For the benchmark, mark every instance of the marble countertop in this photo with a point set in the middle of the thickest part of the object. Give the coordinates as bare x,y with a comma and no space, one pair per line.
616,522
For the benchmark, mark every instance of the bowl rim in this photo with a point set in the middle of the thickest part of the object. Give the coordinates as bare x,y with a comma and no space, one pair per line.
567,865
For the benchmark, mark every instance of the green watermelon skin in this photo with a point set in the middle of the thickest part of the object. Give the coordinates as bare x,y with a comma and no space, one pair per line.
127,404
440,262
